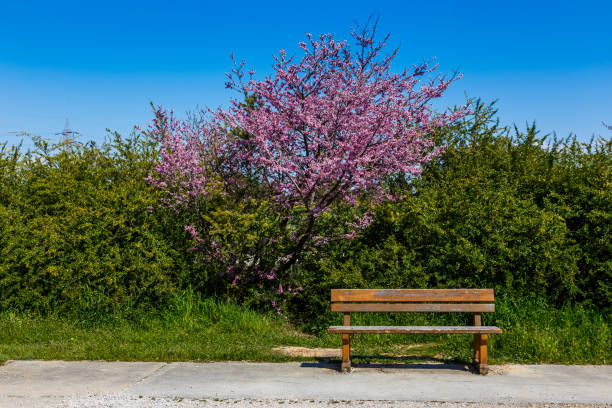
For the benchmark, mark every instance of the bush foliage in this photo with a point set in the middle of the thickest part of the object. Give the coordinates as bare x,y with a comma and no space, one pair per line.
75,232
501,207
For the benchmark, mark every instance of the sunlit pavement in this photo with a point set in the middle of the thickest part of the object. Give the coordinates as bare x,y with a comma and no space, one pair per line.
52,383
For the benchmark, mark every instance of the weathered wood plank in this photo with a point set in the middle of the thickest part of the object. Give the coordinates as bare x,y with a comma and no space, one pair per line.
413,307
346,352
477,322
416,329
346,346
412,295
482,362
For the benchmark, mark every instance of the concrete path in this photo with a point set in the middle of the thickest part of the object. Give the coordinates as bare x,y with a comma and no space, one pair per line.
60,383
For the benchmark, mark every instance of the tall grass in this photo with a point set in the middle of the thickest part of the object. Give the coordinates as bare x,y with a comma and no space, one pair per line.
533,332
537,332
193,328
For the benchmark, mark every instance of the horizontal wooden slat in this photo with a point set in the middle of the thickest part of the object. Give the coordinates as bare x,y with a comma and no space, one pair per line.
412,295
414,307
415,329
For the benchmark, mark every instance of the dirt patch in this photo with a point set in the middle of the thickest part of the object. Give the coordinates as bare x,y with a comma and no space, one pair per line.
308,352
319,352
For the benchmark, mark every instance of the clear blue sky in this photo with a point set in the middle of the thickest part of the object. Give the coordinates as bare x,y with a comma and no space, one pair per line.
101,64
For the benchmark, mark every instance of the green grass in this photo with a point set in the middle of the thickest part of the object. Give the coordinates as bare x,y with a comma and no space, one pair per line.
195,329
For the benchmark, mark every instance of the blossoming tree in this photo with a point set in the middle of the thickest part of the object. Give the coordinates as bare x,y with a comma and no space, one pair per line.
318,137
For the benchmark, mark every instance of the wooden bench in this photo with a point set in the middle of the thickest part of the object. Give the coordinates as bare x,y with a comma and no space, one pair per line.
349,301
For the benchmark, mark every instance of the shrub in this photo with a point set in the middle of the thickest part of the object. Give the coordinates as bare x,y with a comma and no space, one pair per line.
500,208
75,233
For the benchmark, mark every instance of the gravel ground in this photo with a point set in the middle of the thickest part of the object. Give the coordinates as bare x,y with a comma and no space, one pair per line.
144,402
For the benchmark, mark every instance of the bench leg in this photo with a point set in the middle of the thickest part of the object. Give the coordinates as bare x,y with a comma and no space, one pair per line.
346,352
482,365
477,322
346,346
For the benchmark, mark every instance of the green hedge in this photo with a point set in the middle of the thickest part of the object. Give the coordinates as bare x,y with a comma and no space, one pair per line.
76,233
500,208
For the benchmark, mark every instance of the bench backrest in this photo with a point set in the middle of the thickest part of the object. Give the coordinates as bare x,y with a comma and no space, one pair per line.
412,300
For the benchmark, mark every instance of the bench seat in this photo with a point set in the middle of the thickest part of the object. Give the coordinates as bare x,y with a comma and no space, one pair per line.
474,301
416,329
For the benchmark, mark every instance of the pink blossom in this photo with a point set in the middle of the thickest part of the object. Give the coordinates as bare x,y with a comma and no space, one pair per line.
324,130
